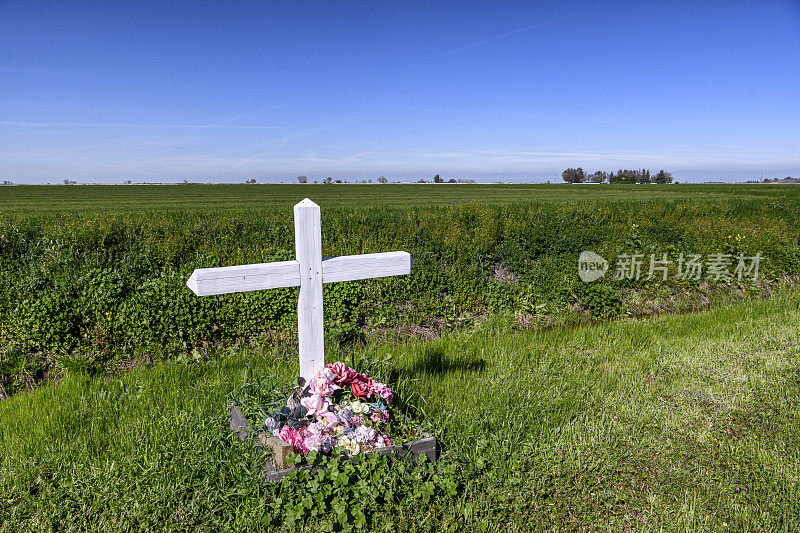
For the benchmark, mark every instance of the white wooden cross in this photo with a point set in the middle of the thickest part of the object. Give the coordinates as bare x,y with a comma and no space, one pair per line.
309,271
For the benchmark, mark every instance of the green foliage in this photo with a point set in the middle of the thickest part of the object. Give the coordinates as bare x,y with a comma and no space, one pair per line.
598,177
335,495
662,177
640,176
574,175
88,286
676,423
601,299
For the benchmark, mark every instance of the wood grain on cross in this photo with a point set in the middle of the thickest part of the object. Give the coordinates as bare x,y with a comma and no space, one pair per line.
308,271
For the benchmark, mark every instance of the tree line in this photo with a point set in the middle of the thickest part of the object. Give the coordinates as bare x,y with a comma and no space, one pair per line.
642,175
382,179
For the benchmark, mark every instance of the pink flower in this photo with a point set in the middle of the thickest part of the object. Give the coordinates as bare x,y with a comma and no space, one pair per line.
294,437
330,418
365,435
386,440
344,375
361,388
318,438
380,389
337,368
324,388
315,404
323,383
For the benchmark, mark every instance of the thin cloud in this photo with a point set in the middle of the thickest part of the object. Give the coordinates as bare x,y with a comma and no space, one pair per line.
502,36
274,107
222,124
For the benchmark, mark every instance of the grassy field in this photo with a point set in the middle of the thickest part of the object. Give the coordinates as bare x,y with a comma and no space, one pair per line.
677,423
94,198
93,277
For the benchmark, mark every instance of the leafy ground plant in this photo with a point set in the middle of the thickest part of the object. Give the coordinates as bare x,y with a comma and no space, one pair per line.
94,277
674,423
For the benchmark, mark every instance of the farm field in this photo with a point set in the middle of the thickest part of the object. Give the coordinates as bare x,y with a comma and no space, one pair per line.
92,198
94,276
554,410
671,423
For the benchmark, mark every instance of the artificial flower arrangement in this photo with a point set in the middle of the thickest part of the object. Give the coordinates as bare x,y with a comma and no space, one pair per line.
340,409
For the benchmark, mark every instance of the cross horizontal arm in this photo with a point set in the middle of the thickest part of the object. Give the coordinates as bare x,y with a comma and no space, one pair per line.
352,267
243,278
259,276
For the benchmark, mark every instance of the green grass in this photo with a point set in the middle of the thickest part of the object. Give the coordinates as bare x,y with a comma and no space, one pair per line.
672,423
87,283
93,198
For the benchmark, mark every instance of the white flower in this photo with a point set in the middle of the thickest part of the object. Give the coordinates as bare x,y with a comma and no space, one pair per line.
364,435
353,448
350,445
359,408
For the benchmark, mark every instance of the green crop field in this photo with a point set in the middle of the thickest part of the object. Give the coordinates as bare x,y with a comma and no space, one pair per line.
93,198
623,404
94,276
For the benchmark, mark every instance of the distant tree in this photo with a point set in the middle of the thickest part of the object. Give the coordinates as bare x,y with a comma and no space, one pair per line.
302,179
328,180
251,181
422,181
66,182
643,175
623,176
662,177
451,180
6,182
598,177
382,179
338,181
437,179
370,180
574,175
127,182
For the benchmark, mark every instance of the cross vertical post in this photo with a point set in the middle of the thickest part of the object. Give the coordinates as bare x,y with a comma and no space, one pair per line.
308,272
308,246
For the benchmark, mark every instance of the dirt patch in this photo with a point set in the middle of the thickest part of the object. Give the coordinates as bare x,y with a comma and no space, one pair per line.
503,274
680,299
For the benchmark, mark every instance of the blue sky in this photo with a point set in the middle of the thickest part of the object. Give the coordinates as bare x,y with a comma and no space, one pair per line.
226,91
